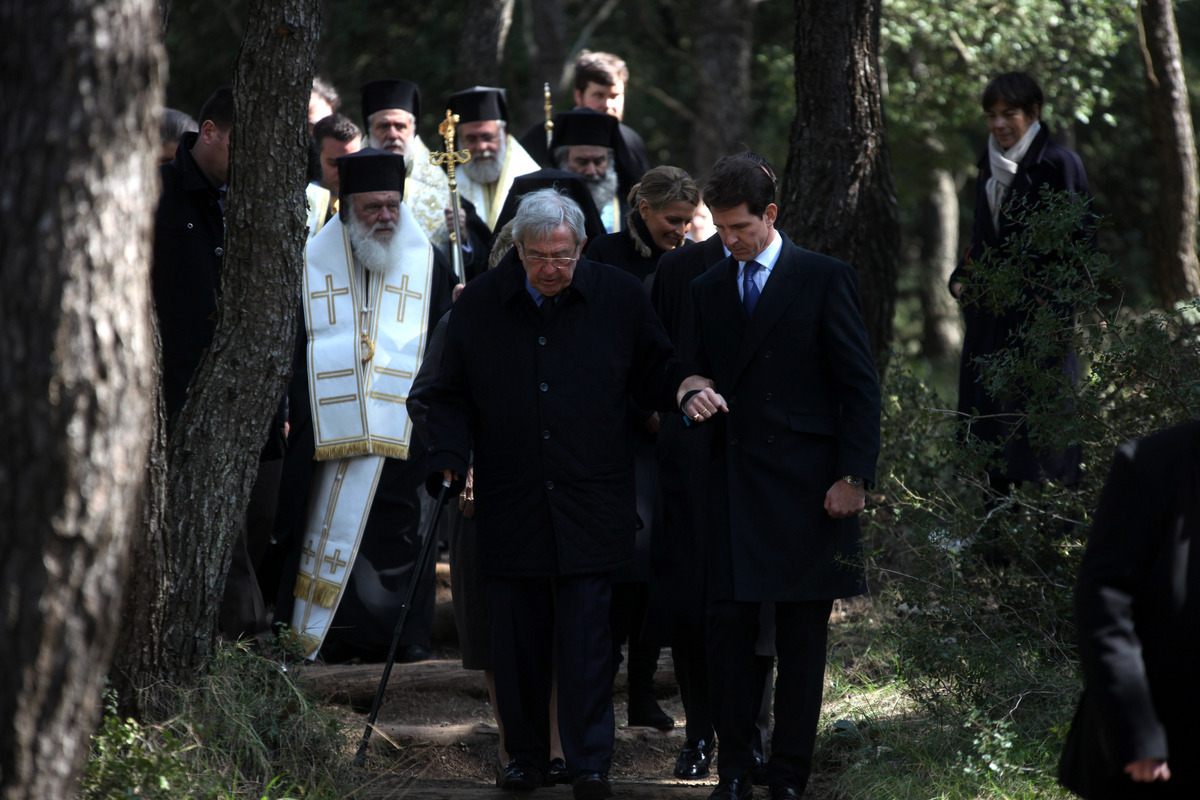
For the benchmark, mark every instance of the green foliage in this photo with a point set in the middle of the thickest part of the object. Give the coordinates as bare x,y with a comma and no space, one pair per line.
981,584
245,730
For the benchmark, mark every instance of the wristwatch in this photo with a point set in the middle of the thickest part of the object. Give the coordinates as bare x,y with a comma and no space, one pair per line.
853,480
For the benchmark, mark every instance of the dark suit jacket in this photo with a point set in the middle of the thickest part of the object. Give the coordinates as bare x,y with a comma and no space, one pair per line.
804,410
1137,608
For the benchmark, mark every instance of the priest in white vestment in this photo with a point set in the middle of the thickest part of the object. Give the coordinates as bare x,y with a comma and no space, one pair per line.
496,157
391,109
373,286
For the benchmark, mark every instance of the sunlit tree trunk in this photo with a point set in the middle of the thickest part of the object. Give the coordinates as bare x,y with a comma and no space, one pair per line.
213,450
80,135
1177,274
838,197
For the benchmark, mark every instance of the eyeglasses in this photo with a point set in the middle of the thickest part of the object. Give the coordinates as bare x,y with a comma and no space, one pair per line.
538,262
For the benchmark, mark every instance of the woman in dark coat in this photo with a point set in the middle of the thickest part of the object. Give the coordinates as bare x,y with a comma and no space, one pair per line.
661,210
1022,164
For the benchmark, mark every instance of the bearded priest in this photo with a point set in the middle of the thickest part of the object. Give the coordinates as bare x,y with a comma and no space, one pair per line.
373,288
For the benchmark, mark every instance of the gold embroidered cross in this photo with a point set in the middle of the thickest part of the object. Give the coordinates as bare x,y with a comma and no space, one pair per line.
328,296
404,293
308,550
335,562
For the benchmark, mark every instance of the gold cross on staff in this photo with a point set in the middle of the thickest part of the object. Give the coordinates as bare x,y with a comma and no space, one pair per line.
449,158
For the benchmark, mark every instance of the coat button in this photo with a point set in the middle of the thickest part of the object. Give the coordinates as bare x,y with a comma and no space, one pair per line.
190,226
769,395
545,434
733,442
767,354
549,484
220,251
545,387
542,341
770,438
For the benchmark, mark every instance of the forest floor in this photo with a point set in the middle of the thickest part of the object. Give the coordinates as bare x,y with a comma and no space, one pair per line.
435,736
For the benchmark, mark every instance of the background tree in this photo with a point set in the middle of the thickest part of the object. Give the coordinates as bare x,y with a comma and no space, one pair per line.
1177,274
213,450
481,45
76,363
837,195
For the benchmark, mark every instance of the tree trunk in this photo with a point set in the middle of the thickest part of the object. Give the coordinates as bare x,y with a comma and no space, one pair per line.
838,196
1177,274
724,102
546,40
481,46
76,364
941,335
213,451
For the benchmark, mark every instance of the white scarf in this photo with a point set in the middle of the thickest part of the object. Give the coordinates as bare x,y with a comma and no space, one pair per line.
1004,165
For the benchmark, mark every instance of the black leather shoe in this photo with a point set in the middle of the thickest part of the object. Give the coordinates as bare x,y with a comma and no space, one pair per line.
556,772
591,786
694,759
648,714
758,775
518,777
733,789
784,791
414,653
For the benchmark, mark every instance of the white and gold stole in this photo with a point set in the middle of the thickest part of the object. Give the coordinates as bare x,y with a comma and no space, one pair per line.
366,337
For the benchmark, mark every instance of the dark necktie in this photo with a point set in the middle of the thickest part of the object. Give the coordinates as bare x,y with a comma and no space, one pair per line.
749,287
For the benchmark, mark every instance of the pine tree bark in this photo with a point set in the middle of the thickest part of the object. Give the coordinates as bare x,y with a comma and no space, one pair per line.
214,447
1177,273
724,103
838,197
481,46
80,136
546,41
942,332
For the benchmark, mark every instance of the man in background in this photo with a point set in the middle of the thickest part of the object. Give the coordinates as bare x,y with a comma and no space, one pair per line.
600,80
333,137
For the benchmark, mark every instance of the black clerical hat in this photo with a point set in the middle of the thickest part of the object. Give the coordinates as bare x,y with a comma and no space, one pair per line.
390,93
479,103
584,127
371,170
567,183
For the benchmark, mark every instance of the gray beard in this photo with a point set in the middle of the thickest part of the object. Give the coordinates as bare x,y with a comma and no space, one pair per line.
376,256
487,170
603,190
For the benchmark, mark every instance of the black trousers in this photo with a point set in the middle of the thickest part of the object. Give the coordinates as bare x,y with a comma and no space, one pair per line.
801,634
545,624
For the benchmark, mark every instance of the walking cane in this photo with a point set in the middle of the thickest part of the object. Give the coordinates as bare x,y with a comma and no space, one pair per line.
426,548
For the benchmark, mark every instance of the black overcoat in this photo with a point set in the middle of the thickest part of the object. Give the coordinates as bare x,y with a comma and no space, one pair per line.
804,410
189,249
1137,608
542,405
677,558
1047,166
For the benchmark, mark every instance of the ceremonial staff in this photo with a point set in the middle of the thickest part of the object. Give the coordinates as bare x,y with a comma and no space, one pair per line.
450,159
549,108
419,569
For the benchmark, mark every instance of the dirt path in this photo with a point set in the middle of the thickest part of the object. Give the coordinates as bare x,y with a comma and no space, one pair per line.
436,737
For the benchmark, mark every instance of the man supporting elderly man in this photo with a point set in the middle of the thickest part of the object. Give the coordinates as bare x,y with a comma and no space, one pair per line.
542,354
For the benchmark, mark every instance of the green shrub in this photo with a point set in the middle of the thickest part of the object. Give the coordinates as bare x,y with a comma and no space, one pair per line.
246,730
981,584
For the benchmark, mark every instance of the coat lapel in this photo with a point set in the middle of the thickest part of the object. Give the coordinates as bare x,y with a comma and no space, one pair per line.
781,288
